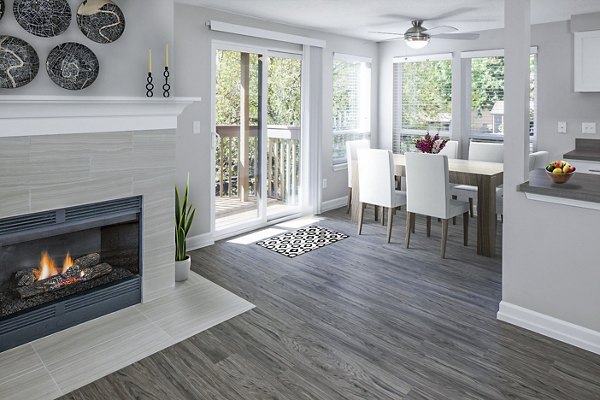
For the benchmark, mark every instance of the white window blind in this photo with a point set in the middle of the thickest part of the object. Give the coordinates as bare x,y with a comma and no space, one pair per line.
351,102
422,99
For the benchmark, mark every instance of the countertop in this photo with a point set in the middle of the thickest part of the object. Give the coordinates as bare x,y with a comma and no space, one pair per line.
585,150
581,187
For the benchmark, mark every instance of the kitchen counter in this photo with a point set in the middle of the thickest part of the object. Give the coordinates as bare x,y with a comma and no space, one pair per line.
582,190
585,149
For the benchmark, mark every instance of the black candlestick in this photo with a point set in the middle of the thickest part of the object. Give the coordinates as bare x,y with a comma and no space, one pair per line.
166,86
149,86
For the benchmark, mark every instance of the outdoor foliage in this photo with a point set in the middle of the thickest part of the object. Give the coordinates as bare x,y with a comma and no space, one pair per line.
426,94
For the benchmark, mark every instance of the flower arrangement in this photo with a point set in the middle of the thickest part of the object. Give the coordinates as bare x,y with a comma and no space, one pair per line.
429,144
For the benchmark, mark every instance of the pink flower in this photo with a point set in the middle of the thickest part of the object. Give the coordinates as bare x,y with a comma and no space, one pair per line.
428,144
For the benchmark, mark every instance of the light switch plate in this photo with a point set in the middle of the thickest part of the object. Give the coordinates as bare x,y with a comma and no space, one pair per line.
196,127
562,126
589,128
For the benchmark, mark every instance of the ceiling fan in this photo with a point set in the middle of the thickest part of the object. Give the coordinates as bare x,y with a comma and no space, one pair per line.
419,36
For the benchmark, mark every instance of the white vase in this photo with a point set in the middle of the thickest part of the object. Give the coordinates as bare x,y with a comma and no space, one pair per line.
182,269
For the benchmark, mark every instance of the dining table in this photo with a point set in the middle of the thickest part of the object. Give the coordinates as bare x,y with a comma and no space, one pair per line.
486,176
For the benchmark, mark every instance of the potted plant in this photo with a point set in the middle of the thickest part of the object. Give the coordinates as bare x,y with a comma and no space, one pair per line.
184,215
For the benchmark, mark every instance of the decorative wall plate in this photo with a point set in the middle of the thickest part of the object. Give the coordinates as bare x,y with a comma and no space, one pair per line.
19,62
44,18
72,66
101,20
1,8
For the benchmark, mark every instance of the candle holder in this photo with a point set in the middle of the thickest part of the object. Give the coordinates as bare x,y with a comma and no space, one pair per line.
149,86
166,87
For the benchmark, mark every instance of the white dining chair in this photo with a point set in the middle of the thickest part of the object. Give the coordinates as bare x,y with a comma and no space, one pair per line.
376,181
352,147
450,149
428,192
479,151
538,159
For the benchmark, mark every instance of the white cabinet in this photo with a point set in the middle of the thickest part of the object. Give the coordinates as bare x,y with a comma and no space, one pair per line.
585,167
587,61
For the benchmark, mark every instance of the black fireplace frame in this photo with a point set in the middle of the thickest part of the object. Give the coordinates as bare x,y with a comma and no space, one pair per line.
36,322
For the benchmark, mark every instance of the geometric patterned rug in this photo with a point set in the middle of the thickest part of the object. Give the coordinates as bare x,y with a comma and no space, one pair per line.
302,241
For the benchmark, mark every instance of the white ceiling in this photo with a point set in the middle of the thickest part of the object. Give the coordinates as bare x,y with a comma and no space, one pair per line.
357,17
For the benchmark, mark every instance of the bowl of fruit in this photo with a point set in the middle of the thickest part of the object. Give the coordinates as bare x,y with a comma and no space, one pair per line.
560,171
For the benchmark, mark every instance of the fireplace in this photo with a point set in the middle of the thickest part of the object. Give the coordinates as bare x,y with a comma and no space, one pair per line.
66,266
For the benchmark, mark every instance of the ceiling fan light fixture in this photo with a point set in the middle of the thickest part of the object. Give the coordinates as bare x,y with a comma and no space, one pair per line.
416,42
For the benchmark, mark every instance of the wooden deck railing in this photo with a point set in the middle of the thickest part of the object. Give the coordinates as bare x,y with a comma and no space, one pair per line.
283,162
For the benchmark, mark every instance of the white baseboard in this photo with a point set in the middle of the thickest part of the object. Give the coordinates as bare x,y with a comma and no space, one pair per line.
555,328
334,204
199,241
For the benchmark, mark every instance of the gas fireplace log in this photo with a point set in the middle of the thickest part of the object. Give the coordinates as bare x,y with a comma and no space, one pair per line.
96,271
87,261
59,282
25,277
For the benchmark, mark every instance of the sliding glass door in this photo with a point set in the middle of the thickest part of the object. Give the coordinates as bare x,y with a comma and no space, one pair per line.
257,126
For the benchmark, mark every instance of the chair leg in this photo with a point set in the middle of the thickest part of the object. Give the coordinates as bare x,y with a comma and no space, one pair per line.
409,217
444,237
466,228
361,212
349,207
413,222
453,220
428,226
376,213
471,207
383,216
390,222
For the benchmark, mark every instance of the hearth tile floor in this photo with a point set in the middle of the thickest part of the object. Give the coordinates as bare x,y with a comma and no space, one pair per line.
58,364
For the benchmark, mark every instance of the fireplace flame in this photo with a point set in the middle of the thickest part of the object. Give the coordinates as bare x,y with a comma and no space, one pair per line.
67,263
47,267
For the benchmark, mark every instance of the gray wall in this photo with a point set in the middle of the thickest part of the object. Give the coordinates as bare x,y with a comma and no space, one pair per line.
123,64
549,257
193,68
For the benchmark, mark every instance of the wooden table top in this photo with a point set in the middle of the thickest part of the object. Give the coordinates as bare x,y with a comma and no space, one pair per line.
464,166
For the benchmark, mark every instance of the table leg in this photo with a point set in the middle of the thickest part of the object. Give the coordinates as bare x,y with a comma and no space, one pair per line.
355,194
486,216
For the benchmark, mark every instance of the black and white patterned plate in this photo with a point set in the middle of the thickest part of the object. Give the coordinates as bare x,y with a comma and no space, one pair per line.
72,66
19,62
101,20
44,18
302,241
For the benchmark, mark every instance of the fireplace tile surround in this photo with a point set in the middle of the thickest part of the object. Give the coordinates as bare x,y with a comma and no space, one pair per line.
39,173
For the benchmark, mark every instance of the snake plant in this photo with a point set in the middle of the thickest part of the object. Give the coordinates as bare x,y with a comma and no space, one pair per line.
184,215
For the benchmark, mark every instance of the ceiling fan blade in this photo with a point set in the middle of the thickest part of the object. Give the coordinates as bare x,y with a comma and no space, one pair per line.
452,13
400,17
388,33
440,29
457,36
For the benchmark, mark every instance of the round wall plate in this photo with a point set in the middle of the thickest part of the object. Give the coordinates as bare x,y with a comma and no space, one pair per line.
101,20
72,66
19,62
43,18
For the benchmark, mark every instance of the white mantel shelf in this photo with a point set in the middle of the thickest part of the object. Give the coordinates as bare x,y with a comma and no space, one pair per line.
54,115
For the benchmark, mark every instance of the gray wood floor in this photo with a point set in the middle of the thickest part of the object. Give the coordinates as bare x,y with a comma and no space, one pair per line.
360,319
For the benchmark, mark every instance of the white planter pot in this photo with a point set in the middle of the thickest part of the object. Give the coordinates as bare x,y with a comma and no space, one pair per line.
182,269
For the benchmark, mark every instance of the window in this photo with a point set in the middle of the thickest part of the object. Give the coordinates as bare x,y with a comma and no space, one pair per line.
351,102
487,95
422,99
